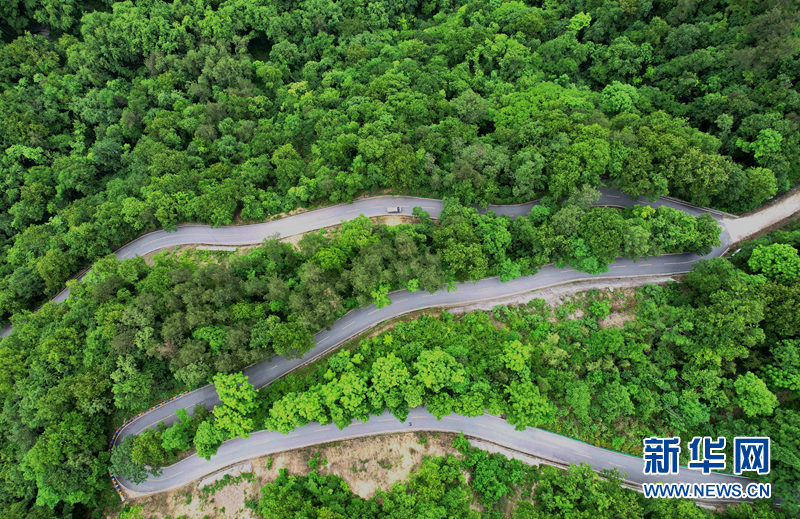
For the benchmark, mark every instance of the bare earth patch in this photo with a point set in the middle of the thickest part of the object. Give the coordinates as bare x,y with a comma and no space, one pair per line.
617,319
366,464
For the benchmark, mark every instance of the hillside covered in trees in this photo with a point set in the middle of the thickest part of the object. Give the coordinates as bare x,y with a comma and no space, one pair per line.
119,117
715,355
467,484
450,487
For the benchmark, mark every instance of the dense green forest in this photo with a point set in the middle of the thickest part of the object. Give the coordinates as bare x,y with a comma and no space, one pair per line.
718,354
121,117
116,118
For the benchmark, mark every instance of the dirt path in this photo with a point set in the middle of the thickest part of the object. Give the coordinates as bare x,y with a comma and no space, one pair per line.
768,216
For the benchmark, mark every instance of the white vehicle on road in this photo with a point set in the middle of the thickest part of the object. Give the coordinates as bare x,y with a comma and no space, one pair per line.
394,209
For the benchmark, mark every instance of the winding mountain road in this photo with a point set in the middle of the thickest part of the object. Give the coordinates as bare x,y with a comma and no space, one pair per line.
357,321
553,447
532,441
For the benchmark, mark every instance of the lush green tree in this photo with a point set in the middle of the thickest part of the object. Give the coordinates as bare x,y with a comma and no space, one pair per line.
147,450
208,439
122,464
237,403
311,496
778,261
437,370
179,436
582,493
66,462
527,406
753,395
785,372
516,355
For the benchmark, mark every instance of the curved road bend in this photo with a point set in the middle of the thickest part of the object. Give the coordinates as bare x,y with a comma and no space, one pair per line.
360,320
543,444
233,236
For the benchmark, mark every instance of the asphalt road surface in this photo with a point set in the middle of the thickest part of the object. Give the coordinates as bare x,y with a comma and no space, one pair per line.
553,447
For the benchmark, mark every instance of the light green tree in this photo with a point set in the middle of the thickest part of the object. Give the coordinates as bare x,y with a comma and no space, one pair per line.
516,355
208,439
237,403
528,407
778,261
754,396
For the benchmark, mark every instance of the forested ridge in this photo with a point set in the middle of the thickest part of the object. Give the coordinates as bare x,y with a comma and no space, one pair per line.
451,487
129,116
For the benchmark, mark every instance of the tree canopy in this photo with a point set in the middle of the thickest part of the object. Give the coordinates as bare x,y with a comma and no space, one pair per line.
120,117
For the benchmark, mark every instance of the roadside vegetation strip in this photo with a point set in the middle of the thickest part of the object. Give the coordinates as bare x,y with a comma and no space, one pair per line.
502,486
471,472
552,448
329,216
